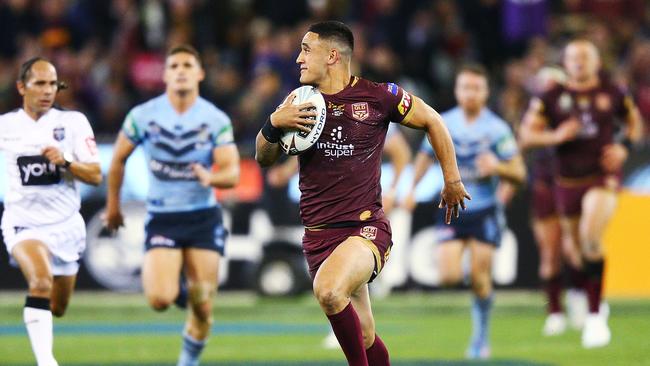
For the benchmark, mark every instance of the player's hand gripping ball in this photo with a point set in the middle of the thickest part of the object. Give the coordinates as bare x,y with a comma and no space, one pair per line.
295,142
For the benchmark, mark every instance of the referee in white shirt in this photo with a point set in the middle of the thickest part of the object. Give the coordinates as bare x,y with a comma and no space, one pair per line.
47,151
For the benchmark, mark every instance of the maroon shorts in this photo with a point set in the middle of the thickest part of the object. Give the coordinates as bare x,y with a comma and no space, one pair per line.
543,199
320,243
570,191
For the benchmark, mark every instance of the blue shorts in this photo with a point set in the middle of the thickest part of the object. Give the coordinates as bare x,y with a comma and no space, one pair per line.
188,229
485,225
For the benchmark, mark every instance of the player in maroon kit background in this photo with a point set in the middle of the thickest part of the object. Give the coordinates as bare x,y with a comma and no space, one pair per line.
580,120
347,236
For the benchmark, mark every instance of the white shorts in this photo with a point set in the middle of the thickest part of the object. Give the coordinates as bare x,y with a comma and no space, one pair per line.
65,240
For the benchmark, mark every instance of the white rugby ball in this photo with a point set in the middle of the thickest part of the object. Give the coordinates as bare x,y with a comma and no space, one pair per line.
295,142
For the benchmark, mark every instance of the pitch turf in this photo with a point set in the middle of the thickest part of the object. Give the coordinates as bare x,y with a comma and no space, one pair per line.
419,329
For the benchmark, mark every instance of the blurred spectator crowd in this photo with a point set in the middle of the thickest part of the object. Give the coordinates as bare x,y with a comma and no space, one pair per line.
112,52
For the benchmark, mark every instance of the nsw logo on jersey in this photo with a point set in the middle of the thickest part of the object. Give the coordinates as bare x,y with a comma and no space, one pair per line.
165,170
36,170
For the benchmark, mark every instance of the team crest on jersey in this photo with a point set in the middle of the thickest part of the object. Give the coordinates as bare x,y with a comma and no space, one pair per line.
337,109
369,232
603,102
58,133
565,102
360,111
404,104
153,131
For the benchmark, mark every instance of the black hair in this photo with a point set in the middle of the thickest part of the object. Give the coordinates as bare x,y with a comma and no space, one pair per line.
26,71
185,48
334,30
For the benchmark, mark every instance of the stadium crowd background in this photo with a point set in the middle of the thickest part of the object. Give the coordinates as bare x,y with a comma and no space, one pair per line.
112,52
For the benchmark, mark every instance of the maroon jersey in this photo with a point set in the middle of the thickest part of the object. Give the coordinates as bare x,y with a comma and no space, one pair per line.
599,110
339,175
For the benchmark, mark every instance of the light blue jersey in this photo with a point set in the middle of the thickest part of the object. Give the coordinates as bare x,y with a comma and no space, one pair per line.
172,142
487,133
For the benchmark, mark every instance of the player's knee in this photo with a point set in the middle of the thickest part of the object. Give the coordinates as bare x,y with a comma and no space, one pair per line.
200,299
329,298
58,309
159,302
450,278
548,270
592,250
40,286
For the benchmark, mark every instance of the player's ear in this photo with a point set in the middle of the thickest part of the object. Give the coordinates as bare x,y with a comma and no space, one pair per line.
333,57
201,74
21,87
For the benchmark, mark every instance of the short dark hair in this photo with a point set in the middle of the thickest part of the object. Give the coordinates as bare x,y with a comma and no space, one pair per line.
473,68
334,30
26,71
185,48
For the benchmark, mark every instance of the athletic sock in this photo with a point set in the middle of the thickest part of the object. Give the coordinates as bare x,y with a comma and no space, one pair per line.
577,278
38,321
191,351
481,309
594,271
347,328
553,289
377,354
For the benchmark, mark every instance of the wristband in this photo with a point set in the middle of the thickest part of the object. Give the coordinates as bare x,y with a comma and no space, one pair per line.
271,134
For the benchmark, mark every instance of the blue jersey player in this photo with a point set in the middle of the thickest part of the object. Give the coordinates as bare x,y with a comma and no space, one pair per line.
183,136
486,152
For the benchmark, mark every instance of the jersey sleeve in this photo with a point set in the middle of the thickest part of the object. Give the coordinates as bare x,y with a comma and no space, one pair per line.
223,133
505,145
85,148
397,101
132,128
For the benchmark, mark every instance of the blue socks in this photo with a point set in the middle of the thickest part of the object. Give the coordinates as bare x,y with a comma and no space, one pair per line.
481,309
190,352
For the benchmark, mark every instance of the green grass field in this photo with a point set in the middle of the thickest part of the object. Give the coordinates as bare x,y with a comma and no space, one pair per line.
419,329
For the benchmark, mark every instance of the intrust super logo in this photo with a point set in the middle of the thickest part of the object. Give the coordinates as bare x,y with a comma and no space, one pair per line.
337,146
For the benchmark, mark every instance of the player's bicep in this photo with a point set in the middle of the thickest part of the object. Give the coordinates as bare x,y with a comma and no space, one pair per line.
226,157
123,148
421,115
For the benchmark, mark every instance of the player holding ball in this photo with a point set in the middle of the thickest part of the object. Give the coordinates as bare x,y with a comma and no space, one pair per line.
347,236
